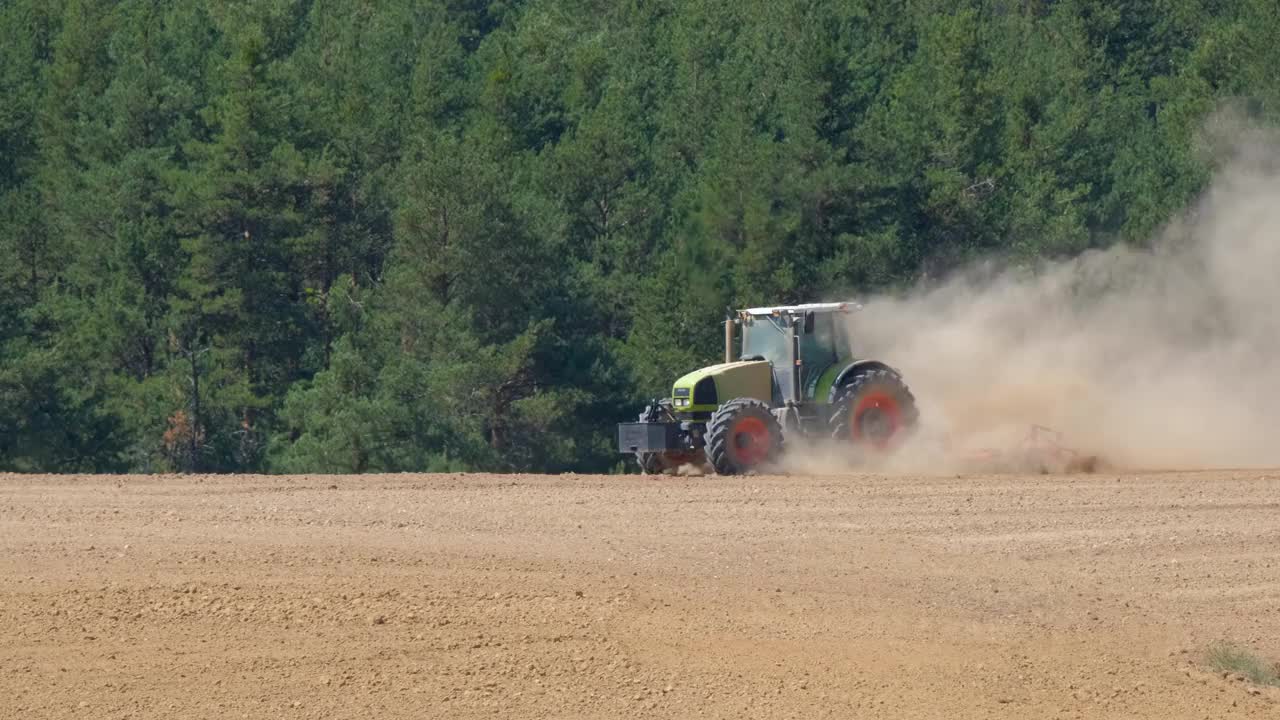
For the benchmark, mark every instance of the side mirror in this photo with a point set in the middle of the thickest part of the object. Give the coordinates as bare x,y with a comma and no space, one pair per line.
808,323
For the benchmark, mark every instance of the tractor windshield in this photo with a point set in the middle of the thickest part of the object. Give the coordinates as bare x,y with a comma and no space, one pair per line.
767,338
823,340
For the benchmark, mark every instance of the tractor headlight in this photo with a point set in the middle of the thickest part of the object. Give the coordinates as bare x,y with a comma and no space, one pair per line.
680,402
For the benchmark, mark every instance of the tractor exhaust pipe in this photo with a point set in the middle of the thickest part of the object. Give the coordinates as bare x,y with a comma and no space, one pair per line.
728,340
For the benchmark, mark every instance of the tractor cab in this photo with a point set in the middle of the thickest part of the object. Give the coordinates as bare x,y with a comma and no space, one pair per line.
800,342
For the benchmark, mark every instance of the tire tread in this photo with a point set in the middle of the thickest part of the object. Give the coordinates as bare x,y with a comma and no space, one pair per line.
842,416
717,446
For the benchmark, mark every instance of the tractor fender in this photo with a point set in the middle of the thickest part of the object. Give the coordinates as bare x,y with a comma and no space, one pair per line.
856,368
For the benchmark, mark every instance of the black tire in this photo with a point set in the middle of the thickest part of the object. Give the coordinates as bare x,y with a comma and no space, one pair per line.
650,463
743,435
874,410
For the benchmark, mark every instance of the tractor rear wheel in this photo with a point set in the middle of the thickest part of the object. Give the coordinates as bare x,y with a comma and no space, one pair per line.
874,410
743,435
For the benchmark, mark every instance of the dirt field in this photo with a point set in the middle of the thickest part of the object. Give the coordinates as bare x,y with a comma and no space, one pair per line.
571,597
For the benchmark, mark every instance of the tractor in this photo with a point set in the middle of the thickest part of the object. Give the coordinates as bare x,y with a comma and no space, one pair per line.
794,376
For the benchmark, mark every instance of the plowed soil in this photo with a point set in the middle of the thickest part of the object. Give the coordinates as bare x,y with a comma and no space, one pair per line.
467,596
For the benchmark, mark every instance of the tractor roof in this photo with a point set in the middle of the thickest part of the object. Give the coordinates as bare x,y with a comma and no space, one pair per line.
834,307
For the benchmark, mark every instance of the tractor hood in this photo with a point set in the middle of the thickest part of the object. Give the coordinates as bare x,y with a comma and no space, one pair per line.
703,390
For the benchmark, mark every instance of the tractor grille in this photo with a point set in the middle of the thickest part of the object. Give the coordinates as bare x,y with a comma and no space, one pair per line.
704,393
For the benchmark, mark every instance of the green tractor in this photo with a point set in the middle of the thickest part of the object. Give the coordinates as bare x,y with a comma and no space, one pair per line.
795,376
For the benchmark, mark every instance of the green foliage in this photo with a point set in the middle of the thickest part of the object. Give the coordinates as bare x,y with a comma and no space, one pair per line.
453,234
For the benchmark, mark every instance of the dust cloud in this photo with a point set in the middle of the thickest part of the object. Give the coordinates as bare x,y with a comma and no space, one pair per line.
1161,357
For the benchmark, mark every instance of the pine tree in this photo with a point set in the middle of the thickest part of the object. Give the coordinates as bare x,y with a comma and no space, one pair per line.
240,305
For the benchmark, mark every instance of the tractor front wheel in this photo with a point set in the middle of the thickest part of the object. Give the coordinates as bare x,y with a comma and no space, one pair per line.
874,410
743,435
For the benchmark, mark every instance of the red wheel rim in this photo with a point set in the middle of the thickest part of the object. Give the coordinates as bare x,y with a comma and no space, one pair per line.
876,419
751,441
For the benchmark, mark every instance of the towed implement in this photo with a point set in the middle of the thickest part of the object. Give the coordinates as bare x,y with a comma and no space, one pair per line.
793,374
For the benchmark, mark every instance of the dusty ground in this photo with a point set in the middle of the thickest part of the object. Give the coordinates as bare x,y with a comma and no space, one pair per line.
572,597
